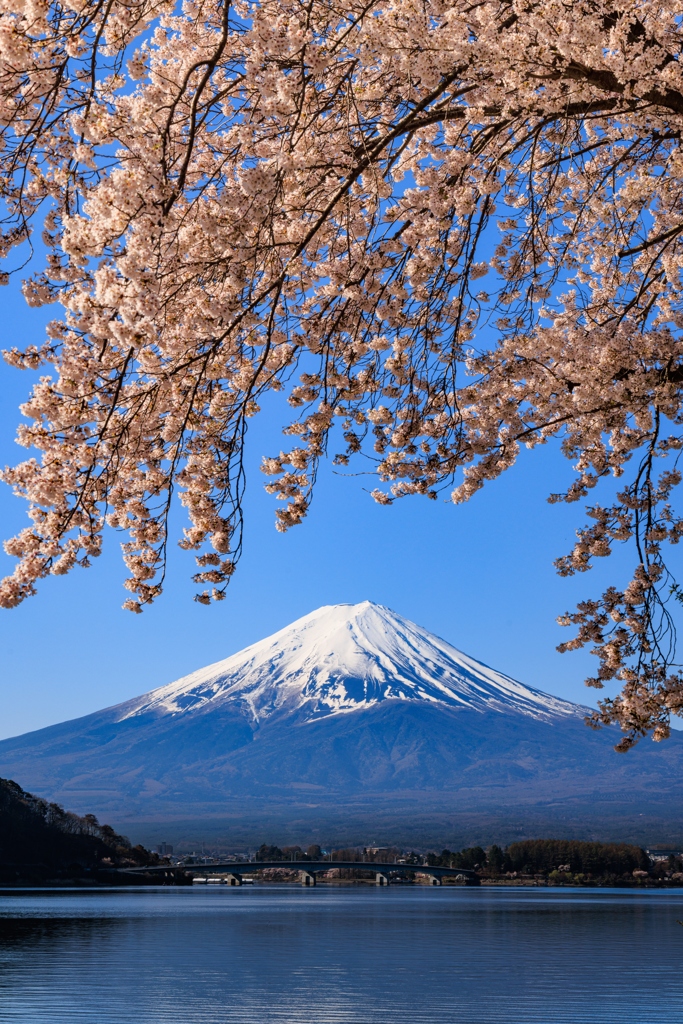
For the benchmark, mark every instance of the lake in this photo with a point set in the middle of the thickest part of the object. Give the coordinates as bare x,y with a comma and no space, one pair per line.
280,954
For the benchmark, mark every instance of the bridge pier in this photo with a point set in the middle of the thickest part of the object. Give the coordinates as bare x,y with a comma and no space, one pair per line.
381,879
307,878
233,879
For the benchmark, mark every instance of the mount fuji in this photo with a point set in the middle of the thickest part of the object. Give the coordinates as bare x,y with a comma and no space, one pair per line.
351,723
339,660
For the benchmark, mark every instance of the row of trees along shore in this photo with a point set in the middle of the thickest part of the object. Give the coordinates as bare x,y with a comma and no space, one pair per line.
557,860
41,841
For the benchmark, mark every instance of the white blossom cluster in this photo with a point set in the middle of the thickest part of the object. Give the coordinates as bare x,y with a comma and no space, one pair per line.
450,229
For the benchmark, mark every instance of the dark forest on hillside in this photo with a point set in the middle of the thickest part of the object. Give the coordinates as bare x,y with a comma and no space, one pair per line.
40,840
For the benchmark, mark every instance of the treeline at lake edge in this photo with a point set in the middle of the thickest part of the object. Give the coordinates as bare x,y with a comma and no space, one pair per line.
566,861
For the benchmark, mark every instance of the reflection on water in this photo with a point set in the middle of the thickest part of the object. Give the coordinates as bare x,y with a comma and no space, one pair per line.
335,955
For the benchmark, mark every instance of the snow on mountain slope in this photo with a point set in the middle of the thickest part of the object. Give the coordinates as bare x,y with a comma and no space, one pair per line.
340,659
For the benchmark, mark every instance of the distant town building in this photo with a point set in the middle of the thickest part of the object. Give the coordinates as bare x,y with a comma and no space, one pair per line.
164,849
658,854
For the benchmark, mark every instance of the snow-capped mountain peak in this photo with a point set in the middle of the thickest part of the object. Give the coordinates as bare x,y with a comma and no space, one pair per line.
340,659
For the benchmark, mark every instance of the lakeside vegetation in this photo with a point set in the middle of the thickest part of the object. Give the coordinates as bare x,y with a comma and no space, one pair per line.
565,861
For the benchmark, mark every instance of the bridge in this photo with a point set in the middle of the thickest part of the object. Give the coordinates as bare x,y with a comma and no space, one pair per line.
233,871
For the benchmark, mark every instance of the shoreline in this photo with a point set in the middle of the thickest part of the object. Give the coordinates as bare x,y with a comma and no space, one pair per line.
513,883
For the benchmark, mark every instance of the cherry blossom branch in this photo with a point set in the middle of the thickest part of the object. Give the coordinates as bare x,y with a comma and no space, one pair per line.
452,230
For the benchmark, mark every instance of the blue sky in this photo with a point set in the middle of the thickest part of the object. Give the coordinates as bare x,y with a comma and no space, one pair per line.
479,575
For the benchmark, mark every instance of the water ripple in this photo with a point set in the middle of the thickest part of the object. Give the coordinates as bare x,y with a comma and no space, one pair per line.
335,955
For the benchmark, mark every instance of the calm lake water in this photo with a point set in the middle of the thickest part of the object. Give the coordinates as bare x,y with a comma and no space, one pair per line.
341,955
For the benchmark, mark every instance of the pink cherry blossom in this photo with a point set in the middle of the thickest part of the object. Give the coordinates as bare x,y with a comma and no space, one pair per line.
445,230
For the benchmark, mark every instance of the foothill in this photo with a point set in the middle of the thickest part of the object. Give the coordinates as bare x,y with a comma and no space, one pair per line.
41,843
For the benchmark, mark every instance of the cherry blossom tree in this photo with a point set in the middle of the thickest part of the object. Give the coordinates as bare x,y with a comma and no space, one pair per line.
444,229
